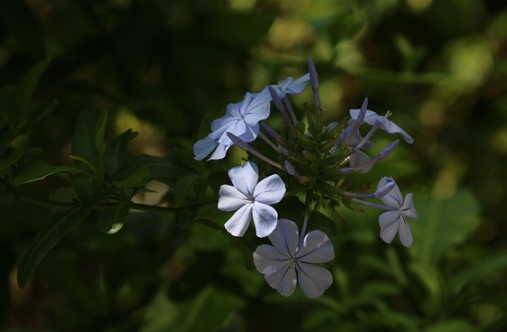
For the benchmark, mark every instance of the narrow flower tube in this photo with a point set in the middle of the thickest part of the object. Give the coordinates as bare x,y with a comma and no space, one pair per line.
247,148
314,82
273,134
279,104
384,153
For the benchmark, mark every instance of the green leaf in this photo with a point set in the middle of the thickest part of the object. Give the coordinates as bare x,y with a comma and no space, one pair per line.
29,83
35,119
100,131
185,186
112,219
443,224
13,157
495,262
83,144
206,312
46,240
324,223
40,170
88,190
5,137
139,177
116,152
160,168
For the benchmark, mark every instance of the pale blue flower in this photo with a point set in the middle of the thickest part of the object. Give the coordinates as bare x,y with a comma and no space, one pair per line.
241,119
371,118
291,86
251,197
288,261
395,220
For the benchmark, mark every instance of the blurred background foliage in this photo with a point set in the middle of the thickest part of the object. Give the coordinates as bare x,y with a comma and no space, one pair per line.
159,66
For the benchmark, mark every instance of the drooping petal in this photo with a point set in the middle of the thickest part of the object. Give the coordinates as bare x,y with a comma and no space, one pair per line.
265,218
405,234
203,147
238,224
268,259
230,198
408,208
393,198
283,280
250,133
316,248
313,279
285,237
245,178
270,190
389,225
219,152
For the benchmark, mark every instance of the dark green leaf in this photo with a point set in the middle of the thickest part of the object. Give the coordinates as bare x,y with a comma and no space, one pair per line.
100,130
13,157
112,219
496,262
35,119
88,190
5,137
83,144
139,177
161,168
29,83
18,18
39,170
323,223
116,152
185,186
46,240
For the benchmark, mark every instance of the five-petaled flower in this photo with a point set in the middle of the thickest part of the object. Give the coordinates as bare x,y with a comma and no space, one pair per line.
291,86
387,125
394,221
251,197
241,119
288,261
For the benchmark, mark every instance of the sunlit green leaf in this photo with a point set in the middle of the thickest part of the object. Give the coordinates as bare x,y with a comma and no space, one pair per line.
46,240
39,170
112,219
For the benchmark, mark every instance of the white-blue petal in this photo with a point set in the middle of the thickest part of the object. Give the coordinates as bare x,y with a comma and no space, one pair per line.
405,234
316,248
360,158
220,152
270,190
230,198
408,208
265,218
285,237
313,280
203,147
389,225
268,259
298,85
284,280
239,222
245,178
393,198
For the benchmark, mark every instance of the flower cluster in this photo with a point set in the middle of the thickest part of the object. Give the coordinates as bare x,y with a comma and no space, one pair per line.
311,160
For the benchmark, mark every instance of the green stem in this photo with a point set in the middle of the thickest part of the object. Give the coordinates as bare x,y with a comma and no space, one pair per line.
134,206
